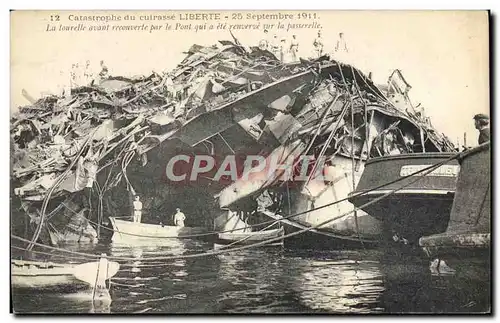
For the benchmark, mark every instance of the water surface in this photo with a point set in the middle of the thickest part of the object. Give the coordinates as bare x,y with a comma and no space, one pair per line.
266,280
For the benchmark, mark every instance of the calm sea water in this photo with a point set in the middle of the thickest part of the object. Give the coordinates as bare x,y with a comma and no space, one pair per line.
269,280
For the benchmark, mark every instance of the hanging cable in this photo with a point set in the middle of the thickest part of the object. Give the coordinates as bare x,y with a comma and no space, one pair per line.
425,171
353,168
367,123
285,217
54,186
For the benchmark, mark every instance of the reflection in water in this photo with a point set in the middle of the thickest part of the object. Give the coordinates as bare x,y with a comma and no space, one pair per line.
254,281
95,306
267,280
339,286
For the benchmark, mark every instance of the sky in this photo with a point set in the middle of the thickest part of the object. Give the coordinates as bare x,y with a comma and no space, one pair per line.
444,55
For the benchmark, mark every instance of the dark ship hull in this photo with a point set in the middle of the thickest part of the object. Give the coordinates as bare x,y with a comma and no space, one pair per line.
420,208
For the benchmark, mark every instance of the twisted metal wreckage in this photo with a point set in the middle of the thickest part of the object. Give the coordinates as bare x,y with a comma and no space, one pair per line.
74,156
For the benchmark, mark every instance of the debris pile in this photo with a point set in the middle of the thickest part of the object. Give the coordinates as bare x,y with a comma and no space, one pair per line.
60,144
97,120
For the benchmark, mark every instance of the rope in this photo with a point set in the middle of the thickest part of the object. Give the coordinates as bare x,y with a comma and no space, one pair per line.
57,183
50,254
53,212
282,218
367,124
352,149
245,238
327,143
321,123
96,278
383,97
311,140
222,251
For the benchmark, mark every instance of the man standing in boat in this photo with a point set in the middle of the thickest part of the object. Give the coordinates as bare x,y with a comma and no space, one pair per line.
179,218
137,209
482,124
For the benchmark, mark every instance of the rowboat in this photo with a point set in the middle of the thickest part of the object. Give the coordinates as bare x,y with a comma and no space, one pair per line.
133,231
245,238
49,275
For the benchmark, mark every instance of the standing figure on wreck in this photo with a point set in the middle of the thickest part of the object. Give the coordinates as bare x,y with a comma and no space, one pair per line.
72,76
264,43
179,218
282,50
89,165
137,209
87,74
341,45
341,49
482,124
318,45
275,47
86,173
294,48
390,144
103,74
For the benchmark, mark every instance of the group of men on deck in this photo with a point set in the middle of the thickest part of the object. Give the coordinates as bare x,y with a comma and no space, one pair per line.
280,48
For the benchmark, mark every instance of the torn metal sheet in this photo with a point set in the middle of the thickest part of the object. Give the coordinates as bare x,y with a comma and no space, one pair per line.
210,123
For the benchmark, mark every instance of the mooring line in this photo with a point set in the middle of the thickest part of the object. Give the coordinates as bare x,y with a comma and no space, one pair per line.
288,216
51,254
262,243
57,183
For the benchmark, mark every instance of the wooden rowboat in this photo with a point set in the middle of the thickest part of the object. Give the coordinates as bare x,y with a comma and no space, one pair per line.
132,231
48,275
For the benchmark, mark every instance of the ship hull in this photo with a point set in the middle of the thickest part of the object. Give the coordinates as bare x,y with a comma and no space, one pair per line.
412,208
315,239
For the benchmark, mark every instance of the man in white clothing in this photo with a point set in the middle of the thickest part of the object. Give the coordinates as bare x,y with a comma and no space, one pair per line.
137,209
341,45
294,48
318,45
179,218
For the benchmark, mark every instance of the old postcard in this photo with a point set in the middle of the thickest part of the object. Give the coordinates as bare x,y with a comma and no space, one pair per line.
250,162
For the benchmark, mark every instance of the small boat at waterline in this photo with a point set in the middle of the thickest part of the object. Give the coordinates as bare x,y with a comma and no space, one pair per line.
133,231
250,237
319,238
48,275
